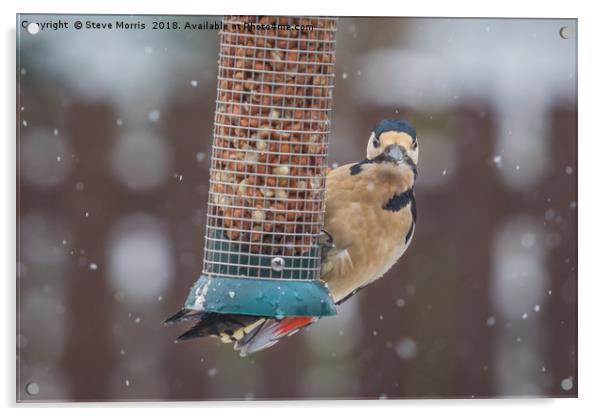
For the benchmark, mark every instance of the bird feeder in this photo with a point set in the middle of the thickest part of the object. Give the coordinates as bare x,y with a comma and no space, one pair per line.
268,169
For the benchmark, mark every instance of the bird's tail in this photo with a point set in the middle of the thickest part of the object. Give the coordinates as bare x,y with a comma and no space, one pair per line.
249,333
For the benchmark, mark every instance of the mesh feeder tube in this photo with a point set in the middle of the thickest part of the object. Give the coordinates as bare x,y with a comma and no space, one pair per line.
268,169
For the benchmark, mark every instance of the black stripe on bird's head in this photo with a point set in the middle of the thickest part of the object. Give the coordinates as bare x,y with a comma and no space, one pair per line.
393,141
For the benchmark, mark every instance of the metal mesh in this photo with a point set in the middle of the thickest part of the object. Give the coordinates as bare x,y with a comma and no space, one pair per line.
268,167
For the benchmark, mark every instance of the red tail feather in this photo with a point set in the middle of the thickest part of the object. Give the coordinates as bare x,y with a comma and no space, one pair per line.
290,324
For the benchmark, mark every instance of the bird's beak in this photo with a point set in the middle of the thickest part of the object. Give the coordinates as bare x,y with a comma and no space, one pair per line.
395,152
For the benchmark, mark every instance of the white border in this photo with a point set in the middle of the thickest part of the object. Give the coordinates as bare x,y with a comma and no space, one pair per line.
590,152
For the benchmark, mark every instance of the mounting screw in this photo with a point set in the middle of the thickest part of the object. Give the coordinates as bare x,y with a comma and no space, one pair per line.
278,264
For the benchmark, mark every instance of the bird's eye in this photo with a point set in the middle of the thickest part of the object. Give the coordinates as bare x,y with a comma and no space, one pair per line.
414,145
375,142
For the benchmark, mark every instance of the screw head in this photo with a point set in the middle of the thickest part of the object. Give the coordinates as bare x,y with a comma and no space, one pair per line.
278,264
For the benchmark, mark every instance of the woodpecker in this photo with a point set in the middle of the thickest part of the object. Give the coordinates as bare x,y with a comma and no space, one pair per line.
369,223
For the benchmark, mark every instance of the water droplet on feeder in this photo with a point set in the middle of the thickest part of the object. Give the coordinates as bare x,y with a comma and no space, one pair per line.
231,294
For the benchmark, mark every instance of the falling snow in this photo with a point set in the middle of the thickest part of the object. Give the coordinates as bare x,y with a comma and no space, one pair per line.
212,372
497,159
154,115
527,240
93,266
406,349
491,321
194,83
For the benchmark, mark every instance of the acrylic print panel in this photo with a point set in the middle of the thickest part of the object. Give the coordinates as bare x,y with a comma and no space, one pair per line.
116,136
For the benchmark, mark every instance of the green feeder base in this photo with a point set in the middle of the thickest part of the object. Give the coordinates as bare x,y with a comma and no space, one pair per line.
261,297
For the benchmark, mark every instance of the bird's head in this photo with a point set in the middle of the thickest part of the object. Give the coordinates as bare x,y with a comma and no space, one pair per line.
393,141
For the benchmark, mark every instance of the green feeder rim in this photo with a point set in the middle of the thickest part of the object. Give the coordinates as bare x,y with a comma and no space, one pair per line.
261,297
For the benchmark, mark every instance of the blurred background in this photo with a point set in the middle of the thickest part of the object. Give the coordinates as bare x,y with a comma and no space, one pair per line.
114,135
